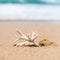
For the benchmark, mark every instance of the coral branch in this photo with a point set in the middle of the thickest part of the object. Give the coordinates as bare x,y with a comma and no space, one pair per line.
24,37
29,40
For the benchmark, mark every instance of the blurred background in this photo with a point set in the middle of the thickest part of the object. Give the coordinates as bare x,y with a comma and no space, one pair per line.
31,1
30,10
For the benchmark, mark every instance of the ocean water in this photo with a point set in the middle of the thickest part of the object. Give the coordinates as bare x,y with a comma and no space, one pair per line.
31,1
29,9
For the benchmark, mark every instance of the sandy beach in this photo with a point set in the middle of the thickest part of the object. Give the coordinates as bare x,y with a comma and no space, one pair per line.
46,31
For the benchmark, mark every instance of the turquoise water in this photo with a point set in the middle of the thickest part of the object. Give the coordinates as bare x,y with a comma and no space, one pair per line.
21,1
31,1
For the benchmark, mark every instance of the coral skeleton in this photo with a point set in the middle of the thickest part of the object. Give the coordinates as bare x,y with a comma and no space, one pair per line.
29,39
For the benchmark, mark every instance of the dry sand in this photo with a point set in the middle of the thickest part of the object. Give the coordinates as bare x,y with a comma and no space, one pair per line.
48,31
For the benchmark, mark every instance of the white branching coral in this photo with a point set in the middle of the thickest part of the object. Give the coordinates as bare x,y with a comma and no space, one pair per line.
29,39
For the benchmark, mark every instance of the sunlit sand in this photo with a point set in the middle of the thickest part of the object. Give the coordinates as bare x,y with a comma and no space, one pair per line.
8,33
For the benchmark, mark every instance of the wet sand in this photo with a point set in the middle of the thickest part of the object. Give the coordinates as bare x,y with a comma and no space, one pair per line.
48,31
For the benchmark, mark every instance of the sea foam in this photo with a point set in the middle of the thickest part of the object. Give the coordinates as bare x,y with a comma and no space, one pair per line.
29,12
